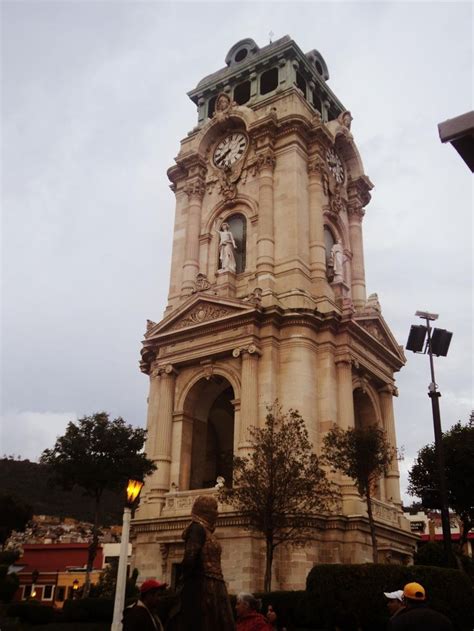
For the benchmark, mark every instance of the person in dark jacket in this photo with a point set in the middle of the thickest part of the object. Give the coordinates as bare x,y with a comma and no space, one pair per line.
140,616
417,616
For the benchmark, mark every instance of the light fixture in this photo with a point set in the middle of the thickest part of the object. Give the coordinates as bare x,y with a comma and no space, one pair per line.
133,490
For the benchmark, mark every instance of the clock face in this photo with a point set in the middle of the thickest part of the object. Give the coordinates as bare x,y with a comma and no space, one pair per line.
230,149
335,165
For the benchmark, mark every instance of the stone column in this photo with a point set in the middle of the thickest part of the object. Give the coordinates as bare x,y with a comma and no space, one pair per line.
359,196
351,501
345,400
195,190
356,212
317,248
265,236
392,479
152,412
248,395
163,423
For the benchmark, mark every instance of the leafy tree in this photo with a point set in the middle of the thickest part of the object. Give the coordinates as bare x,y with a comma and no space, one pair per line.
14,515
98,454
458,444
8,582
364,455
280,486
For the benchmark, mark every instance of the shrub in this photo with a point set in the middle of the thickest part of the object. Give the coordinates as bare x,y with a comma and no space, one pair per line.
359,589
88,610
31,612
431,553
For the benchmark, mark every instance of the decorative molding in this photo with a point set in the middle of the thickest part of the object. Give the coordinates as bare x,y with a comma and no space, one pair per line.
359,190
202,313
355,209
201,283
255,297
149,325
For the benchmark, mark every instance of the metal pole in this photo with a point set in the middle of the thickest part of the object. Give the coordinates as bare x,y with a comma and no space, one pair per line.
119,603
439,449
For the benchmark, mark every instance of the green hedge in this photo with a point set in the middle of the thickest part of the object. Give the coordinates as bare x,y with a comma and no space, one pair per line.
31,612
88,610
359,589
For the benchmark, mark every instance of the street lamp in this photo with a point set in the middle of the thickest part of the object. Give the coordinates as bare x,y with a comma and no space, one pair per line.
133,491
75,587
437,343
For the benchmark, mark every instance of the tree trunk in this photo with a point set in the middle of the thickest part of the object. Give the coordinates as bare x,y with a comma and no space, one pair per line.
375,554
267,585
466,526
92,551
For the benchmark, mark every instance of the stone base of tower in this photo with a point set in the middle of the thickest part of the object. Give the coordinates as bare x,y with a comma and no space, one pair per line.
158,545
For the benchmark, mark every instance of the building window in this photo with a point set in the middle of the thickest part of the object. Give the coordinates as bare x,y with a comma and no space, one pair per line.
317,104
26,592
241,54
242,93
269,81
211,106
48,591
300,82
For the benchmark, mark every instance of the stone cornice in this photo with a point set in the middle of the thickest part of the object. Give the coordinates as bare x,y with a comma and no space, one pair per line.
358,191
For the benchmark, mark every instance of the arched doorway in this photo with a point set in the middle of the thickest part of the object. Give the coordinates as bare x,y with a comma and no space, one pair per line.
365,416
209,404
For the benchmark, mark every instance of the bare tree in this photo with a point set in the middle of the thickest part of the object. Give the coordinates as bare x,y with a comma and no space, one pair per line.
280,486
364,455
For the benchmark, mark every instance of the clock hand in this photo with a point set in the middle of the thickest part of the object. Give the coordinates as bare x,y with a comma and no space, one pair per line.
222,157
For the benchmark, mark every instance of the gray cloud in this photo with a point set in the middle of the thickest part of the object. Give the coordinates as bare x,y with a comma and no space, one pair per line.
94,105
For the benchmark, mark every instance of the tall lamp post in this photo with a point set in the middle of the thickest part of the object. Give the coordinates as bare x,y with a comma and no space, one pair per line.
437,343
133,491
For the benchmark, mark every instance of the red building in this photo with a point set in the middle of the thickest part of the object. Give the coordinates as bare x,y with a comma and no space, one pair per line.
51,572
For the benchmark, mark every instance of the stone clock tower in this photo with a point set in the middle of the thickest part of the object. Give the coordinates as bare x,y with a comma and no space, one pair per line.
267,301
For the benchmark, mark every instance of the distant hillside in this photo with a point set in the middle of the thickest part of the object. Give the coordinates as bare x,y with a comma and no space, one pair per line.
30,482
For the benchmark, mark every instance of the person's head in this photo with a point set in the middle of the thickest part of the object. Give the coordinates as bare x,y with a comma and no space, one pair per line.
205,510
150,592
246,603
414,594
225,226
394,601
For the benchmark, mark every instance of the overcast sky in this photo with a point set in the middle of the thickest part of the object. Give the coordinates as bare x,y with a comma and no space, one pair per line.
93,107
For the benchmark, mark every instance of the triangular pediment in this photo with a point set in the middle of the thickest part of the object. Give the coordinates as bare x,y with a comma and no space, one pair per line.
198,311
376,326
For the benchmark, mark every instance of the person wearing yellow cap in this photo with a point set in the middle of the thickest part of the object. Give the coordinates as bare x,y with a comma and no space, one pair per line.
417,616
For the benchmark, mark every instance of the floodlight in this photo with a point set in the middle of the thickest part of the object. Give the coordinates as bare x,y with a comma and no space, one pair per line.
426,315
440,341
416,338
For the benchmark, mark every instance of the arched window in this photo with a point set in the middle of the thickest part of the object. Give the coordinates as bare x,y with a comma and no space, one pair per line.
238,227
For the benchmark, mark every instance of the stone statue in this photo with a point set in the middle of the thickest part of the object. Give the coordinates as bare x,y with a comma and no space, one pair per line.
226,249
337,261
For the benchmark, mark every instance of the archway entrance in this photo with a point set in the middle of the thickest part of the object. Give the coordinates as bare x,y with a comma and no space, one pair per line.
209,404
365,416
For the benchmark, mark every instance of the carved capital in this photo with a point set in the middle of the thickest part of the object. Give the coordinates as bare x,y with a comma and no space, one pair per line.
255,297
355,210
251,350
265,160
359,190
389,389
317,167
195,189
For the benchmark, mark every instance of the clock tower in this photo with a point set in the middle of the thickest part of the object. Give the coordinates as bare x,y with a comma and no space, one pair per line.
267,300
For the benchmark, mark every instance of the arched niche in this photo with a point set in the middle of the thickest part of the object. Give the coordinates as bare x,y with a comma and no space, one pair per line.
367,414
209,406
238,227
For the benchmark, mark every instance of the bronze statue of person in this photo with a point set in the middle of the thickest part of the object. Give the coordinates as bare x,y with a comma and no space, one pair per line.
204,604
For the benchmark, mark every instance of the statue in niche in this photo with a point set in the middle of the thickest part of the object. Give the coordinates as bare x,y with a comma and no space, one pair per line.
226,249
337,261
